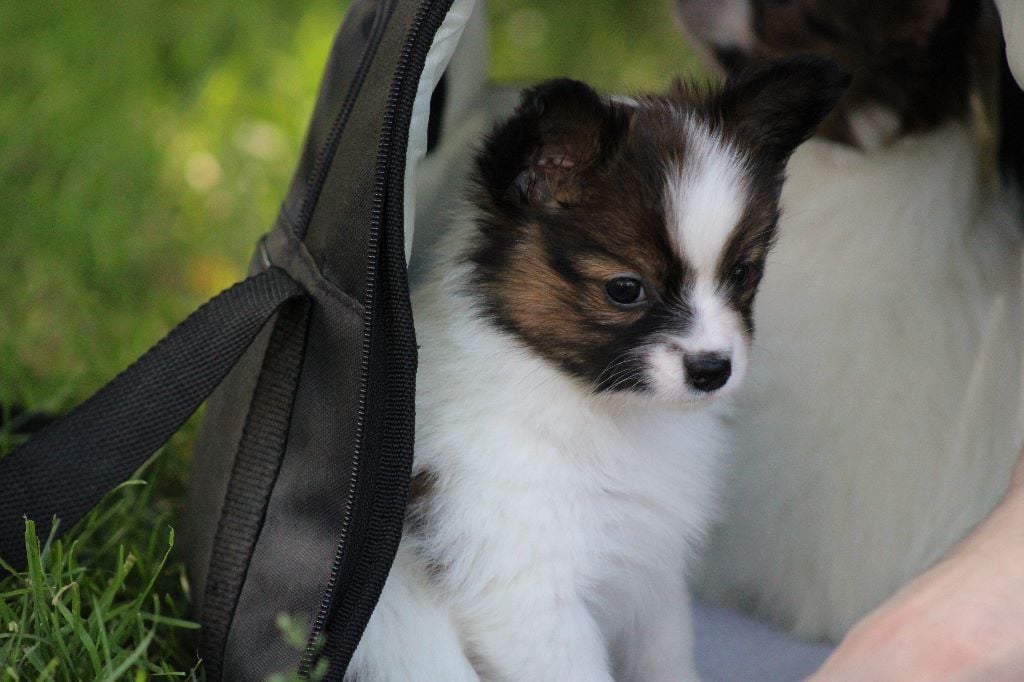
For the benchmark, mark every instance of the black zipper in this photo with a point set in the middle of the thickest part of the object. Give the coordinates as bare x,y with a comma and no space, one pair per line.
401,99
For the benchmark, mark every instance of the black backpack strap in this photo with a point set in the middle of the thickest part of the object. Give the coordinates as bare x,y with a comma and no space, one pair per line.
64,470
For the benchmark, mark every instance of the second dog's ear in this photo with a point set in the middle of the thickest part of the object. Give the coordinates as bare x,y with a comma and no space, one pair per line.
770,109
542,156
719,31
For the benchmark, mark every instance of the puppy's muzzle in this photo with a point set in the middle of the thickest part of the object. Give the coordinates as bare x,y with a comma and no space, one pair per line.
707,372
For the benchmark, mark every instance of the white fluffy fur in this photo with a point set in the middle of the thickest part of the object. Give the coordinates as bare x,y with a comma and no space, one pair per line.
707,195
883,412
705,199
563,523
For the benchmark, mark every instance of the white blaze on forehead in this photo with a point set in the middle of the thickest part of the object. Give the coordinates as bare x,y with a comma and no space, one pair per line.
706,196
717,327
705,199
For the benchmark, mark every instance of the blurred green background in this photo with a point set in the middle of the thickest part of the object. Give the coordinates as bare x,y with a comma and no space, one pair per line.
145,145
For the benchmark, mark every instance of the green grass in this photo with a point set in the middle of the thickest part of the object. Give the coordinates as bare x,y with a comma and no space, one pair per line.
86,608
616,45
144,146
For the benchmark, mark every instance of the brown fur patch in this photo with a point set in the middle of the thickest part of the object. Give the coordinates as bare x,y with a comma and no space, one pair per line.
422,486
421,494
550,286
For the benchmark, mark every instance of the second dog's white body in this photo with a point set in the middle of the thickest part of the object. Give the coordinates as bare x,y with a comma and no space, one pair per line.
562,522
883,412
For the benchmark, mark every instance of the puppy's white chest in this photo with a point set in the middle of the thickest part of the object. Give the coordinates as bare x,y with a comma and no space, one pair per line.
527,463
612,489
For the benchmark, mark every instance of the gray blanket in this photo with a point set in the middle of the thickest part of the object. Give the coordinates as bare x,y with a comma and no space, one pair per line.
732,647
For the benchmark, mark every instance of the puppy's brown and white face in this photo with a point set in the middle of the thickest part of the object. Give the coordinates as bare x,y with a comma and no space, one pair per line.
908,58
623,240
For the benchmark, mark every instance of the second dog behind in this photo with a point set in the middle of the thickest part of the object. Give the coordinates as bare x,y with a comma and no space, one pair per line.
883,416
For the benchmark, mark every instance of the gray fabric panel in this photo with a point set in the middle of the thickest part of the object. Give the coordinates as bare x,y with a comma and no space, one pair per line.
345,62
353,167
295,551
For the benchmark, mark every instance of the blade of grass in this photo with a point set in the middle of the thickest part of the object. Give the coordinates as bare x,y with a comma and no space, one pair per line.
175,622
135,655
83,638
57,634
101,632
47,673
37,580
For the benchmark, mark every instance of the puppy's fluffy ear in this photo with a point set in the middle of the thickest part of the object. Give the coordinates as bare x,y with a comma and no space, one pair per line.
562,132
771,108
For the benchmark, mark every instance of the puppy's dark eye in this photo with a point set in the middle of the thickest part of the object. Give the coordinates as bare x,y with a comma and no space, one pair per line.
742,275
625,291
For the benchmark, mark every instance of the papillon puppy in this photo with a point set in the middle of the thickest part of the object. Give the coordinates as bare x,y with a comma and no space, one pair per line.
591,309
883,414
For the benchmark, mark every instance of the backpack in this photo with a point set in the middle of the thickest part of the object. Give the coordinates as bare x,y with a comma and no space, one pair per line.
301,467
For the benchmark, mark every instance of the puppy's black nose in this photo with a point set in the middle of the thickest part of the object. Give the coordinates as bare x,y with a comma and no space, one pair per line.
707,371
